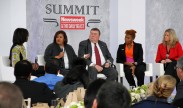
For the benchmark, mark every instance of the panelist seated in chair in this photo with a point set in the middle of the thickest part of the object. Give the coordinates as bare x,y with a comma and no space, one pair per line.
60,50
18,51
131,55
169,51
97,56
38,92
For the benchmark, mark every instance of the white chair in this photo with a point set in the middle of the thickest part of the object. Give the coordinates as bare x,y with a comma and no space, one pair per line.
102,76
40,60
120,70
158,69
27,103
6,71
33,77
148,71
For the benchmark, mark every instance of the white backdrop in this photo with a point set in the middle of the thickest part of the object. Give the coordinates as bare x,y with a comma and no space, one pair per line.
12,15
122,17
42,32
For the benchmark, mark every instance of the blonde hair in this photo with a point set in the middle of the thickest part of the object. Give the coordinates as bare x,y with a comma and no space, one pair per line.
164,86
173,37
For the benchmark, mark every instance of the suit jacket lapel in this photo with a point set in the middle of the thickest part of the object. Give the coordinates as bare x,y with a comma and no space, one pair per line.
123,48
134,50
101,47
89,47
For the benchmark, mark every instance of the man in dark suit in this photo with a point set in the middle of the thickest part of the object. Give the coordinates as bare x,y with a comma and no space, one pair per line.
97,56
38,92
178,100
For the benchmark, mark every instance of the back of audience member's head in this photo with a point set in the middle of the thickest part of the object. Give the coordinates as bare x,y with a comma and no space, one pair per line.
23,69
79,61
180,63
91,92
112,95
179,67
164,86
77,74
10,96
52,67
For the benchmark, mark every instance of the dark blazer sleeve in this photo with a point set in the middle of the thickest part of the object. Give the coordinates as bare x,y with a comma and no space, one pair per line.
71,54
138,53
84,49
121,57
51,51
105,51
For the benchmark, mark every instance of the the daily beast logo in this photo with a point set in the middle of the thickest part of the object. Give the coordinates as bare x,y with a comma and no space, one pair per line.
72,22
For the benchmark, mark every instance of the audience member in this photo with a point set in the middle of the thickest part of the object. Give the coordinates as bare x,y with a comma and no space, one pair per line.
50,78
168,52
162,89
97,56
112,95
38,92
10,96
178,100
91,92
61,51
77,77
131,55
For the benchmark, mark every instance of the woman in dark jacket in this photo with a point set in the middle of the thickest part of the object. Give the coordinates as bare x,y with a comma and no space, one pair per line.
61,51
131,55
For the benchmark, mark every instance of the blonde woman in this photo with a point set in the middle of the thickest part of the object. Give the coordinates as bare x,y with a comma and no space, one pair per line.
161,90
168,52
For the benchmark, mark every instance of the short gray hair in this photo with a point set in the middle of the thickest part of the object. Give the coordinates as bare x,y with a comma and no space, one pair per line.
180,63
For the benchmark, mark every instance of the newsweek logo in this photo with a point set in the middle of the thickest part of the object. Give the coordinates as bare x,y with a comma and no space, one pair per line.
72,22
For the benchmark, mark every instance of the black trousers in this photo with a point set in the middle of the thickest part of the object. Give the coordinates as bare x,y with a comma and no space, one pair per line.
170,69
110,73
139,73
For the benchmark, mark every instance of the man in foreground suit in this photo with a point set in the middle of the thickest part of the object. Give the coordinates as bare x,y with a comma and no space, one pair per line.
38,92
97,56
178,100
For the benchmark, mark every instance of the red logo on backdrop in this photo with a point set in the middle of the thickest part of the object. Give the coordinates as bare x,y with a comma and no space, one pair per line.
72,22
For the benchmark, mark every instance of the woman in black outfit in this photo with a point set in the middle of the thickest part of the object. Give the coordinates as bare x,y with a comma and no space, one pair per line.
60,51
